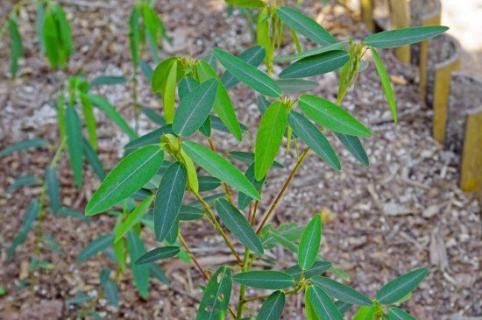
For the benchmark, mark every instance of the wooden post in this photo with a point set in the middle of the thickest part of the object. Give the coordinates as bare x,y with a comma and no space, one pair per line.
400,18
366,10
441,91
471,166
431,19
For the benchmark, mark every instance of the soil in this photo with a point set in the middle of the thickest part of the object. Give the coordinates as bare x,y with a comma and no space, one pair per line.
402,212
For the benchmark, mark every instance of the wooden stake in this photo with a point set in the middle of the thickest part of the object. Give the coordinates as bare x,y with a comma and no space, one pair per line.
471,167
400,18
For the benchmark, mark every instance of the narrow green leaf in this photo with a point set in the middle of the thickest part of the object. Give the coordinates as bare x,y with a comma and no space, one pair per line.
161,74
169,199
316,65
153,137
169,95
385,81
21,182
53,189
113,114
297,21
395,313
22,145
343,307
16,48
322,305
140,273
262,103
107,81
332,117
401,37
50,34
354,146
220,168
309,310
64,42
96,246
296,85
185,87
253,56
264,279
312,52
29,217
250,4
158,254
272,308
269,137
156,272
340,291
401,286
365,313
153,115
215,301
133,218
312,136
111,292
223,105
74,143
194,108
310,243
188,213
93,159
128,176
234,220
248,74
248,158
207,183
89,118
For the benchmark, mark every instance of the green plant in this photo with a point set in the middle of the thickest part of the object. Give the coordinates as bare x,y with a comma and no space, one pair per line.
148,189
53,32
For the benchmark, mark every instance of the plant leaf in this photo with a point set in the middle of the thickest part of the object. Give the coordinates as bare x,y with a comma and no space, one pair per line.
158,254
269,137
64,42
96,246
312,136
111,292
297,21
194,108
296,85
140,273
21,182
220,168
398,314
132,218
153,115
244,200
322,304
318,268
386,84
340,291
29,217
312,52
128,176
251,4
253,56
401,286
401,37
207,183
310,243
215,300
316,65
264,279
50,36
188,213
169,198
332,117
223,105
22,145
107,80
74,143
354,146
365,313
153,137
53,189
113,114
16,48
134,36
169,95
248,74
272,308
234,220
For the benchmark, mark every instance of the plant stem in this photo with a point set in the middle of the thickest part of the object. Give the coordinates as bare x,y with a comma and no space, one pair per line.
218,227
242,289
204,273
282,191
